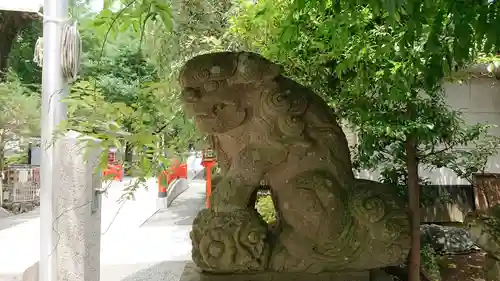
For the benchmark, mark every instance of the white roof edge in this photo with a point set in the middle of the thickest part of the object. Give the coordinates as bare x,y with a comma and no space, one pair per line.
30,6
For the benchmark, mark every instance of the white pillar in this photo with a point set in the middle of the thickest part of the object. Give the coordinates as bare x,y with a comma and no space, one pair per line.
79,209
54,88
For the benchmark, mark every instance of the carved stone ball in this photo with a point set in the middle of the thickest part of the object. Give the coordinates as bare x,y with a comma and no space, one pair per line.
229,242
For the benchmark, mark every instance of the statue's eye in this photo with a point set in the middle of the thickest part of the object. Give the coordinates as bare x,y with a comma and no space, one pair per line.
191,95
215,85
217,108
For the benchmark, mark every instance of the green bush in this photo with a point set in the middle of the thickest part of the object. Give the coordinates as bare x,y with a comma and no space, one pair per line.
429,262
21,158
265,207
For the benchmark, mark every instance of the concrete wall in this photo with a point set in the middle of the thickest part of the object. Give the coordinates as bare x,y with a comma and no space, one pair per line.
458,203
479,100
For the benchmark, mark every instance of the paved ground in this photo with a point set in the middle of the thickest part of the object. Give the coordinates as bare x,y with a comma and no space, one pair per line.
11,221
162,243
137,244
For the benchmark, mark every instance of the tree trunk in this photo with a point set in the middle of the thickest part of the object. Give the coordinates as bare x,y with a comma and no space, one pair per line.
129,155
2,157
11,23
2,154
414,206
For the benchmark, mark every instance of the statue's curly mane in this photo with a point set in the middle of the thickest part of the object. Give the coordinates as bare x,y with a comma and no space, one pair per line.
304,117
294,111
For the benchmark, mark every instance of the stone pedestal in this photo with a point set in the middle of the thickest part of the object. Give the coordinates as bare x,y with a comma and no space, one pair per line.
78,207
192,273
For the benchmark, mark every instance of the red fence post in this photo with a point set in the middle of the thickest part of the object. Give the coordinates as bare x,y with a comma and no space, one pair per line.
208,175
162,189
208,161
113,168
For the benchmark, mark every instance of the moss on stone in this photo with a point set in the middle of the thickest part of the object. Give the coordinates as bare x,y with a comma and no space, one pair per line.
265,207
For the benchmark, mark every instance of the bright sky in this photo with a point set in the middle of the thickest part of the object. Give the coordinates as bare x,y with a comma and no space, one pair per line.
95,5
21,5
35,5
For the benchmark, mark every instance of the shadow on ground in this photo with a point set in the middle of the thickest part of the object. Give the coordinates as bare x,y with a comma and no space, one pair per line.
163,271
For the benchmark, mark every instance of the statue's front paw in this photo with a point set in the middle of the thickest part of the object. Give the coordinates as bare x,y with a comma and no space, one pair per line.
224,208
230,196
230,241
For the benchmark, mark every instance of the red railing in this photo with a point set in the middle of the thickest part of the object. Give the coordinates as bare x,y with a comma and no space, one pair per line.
114,170
176,171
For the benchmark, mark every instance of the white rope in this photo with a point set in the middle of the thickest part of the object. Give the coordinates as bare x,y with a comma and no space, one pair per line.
38,55
71,46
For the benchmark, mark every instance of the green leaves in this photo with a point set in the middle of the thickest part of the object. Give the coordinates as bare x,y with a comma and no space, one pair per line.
134,84
19,112
120,16
164,12
381,63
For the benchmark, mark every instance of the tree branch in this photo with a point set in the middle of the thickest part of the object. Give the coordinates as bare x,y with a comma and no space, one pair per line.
432,153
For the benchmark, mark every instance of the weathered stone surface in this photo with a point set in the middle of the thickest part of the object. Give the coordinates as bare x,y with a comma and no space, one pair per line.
381,275
492,269
78,207
31,273
485,232
266,127
193,273
447,239
219,237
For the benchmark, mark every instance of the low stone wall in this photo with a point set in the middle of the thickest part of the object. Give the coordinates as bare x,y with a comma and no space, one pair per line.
176,188
443,213
453,203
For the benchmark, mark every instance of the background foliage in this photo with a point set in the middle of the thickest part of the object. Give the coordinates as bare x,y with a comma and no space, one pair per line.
380,63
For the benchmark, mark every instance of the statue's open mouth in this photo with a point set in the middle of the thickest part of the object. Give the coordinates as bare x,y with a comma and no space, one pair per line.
202,115
212,113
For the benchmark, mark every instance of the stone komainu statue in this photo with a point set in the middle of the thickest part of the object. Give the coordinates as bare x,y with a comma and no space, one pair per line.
267,127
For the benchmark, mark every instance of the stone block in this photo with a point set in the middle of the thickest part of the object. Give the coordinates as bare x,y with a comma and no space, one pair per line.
161,203
31,273
192,273
78,226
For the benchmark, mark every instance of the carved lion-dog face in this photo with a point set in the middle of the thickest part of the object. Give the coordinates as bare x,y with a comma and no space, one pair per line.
217,86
